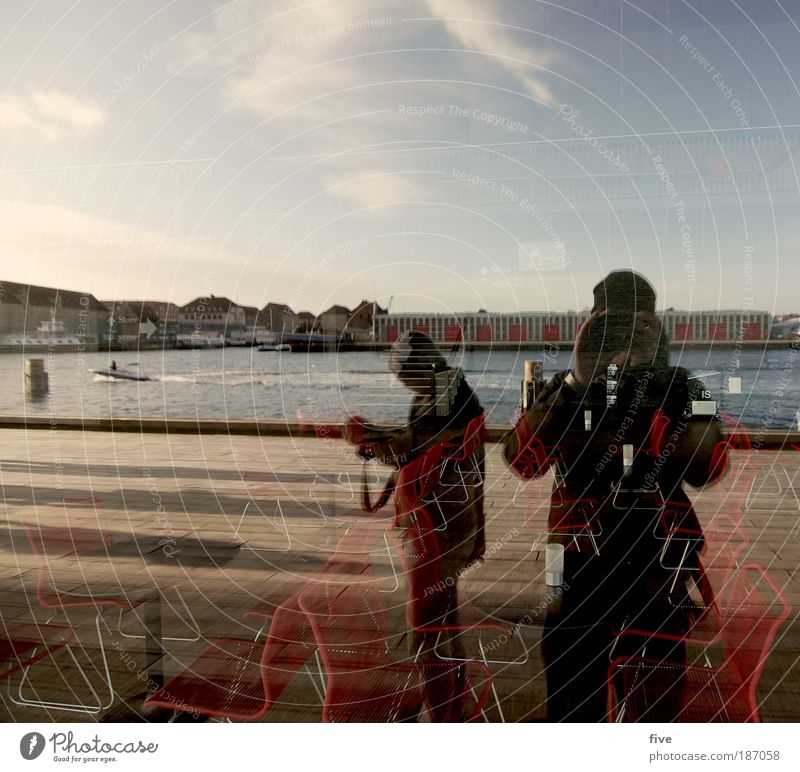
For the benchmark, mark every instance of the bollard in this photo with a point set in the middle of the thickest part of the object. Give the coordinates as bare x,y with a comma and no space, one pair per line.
37,382
532,382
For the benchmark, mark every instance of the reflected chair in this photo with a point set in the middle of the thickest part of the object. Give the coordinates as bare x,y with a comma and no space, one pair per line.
416,480
575,518
241,679
702,609
639,689
283,529
363,683
461,456
50,545
460,473
428,589
350,562
23,645
337,569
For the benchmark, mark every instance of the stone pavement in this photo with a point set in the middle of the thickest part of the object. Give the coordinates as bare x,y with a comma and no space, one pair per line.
218,523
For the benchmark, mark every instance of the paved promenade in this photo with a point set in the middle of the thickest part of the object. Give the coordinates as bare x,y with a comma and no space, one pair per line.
218,524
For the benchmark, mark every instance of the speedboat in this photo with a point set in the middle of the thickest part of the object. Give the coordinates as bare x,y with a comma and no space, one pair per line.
274,347
122,375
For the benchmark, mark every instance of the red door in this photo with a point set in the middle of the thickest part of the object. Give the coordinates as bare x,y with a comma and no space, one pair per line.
452,333
391,333
483,333
551,332
684,332
752,331
718,331
518,332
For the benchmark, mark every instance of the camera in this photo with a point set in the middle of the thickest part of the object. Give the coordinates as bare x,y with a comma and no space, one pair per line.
613,332
444,388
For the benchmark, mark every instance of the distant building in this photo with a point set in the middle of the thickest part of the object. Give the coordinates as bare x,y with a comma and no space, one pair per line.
360,324
334,321
562,327
278,317
254,332
214,317
307,322
31,314
251,316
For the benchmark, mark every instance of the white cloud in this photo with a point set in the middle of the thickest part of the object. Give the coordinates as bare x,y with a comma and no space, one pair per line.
377,188
312,62
518,52
50,114
326,77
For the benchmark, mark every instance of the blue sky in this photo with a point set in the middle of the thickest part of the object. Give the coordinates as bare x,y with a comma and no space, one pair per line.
447,155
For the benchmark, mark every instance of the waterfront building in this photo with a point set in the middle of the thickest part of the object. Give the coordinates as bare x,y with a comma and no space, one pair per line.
278,317
32,316
307,322
212,320
562,327
360,324
334,320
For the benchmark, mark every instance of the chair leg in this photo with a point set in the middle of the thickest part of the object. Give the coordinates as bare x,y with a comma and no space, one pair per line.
493,687
98,707
314,683
392,566
487,662
192,624
285,530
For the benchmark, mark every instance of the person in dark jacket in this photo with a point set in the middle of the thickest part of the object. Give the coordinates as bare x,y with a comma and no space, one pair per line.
623,431
455,504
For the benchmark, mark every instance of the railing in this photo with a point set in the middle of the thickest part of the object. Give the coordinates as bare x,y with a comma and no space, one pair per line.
771,440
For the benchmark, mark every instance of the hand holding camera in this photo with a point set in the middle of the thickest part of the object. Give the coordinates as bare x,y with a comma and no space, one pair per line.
627,340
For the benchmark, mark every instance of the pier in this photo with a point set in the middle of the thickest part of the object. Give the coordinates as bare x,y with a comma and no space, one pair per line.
220,522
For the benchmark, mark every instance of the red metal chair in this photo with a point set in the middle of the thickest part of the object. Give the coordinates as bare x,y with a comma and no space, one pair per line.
677,526
21,645
725,693
576,517
549,513
50,545
349,562
416,480
703,610
427,590
459,473
363,683
725,542
456,454
263,519
337,569
241,679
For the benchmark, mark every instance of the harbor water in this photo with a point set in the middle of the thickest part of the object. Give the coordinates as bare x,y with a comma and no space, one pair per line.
246,384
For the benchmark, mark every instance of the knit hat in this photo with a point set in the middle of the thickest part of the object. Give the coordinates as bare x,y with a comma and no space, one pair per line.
623,292
415,353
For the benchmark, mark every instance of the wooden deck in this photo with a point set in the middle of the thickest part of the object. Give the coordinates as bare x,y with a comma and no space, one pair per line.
175,506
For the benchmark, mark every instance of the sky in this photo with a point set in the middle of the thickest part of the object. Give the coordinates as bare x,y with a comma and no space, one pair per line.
435,155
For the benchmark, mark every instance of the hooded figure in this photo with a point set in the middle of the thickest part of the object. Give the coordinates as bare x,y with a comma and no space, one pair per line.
456,504
620,393
414,359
